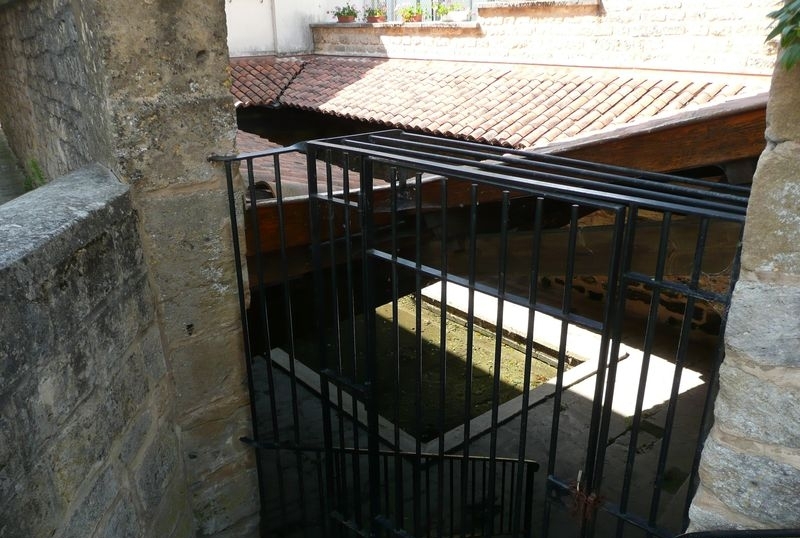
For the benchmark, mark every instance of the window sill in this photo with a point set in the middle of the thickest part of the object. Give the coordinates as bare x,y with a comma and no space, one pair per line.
424,25
541,8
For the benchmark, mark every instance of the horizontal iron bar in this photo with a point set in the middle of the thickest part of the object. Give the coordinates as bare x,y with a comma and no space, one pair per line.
677,287
535,156
555,185
622,182
291,447
294,148
488,290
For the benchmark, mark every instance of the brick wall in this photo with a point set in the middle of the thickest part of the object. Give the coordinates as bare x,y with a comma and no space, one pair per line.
651,34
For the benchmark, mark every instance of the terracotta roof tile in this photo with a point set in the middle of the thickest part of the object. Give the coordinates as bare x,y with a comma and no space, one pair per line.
512,105
261,81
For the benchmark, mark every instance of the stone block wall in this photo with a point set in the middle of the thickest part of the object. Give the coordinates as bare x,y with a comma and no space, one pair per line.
142,88
50,71
170,108
750,470
653,34
88,442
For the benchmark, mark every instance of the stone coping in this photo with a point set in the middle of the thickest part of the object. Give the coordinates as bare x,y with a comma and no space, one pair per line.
47,224
538,8
426,26
536,3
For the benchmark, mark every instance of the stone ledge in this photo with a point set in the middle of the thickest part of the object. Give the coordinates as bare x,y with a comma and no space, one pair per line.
48,224
540,8
396,27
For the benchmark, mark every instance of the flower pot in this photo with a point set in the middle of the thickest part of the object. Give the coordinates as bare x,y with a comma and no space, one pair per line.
346,18
413,18
377,18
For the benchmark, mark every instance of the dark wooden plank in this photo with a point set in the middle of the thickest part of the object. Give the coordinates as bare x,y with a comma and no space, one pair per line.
296,211
711,141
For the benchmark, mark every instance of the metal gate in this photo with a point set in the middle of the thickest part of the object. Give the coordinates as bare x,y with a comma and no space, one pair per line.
452,339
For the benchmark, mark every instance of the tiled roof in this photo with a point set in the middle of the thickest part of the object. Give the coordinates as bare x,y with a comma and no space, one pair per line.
505,104
262,80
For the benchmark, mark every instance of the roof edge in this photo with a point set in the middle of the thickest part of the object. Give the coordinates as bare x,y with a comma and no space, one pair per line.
651,125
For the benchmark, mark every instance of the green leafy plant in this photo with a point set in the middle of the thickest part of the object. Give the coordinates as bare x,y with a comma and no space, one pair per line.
347,10
375,11
34,177
787,26
409,12
443,8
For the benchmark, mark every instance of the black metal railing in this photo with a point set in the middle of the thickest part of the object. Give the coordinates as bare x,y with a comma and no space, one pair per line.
617,279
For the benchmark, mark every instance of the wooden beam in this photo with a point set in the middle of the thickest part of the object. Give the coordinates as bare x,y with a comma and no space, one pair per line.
296,212
712,140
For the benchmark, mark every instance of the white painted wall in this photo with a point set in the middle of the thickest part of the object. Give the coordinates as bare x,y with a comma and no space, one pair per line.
258,27
251,28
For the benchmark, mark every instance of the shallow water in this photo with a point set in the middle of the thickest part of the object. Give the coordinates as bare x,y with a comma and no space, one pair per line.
12,179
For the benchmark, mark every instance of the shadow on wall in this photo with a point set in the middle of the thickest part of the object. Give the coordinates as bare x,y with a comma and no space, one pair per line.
12,178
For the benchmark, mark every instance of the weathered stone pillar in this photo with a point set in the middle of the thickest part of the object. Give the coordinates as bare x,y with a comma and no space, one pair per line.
750,470
166,68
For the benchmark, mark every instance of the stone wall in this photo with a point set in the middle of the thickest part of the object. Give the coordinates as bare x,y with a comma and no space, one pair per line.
88,443
750,469
168,91
653,34
142,88
50,73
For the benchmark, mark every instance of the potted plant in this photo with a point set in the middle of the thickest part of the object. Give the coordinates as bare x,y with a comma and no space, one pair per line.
345,13
451,11
410,13
375,13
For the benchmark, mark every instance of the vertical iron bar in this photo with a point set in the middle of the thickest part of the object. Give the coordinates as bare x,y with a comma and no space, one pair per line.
398,468
650,331
319,303
266,341
498,352
680,359
248,352
527,527
562,349
337,343
288,312
427,496
418,381
713,381
471,262
370,345
451,497
533,289
613,318
442,357
351,314
502,496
